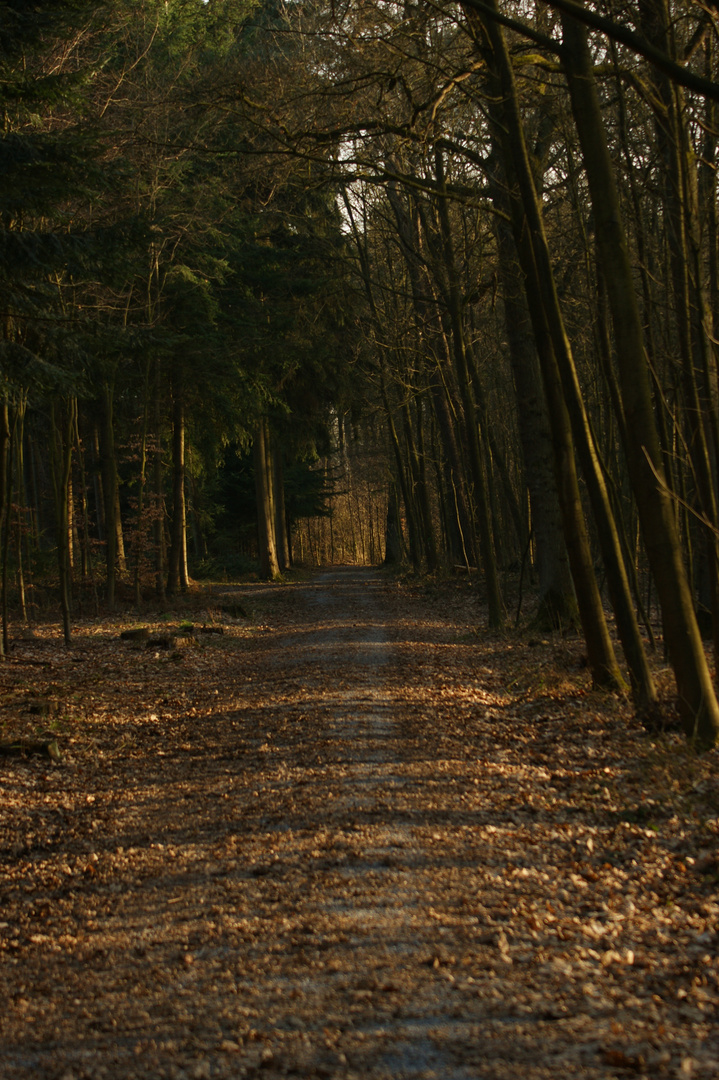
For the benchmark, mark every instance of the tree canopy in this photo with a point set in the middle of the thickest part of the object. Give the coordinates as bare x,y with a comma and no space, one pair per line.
429,282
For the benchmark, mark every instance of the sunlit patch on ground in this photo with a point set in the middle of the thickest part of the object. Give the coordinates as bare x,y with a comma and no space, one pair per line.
348,838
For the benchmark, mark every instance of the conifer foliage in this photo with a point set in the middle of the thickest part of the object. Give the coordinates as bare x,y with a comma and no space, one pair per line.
433,283
163,292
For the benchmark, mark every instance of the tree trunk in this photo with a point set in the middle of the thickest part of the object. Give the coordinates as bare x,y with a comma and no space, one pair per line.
158,527
404,475
64,418
269,565
7,432
88,568
550,337
697,701
184,564
177,537
457,510
141,481
488,555
691,310
280,510
22,529
4,488
415,540
557,603
96,469
538,266
393,538
497,462
119,533
425,540
109,488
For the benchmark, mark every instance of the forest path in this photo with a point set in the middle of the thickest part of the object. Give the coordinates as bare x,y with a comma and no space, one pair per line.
351,839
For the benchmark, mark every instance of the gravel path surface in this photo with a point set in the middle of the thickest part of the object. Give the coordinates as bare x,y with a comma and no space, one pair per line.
338,843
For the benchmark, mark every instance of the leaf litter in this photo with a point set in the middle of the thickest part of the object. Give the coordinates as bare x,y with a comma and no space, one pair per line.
348,837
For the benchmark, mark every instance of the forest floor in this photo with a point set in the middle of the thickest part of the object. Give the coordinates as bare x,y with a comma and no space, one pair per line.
352,836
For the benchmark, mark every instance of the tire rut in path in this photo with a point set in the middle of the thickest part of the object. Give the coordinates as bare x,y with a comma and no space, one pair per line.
335,846
376,899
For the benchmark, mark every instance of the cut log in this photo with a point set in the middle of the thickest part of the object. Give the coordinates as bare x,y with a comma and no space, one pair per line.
170,641
25,747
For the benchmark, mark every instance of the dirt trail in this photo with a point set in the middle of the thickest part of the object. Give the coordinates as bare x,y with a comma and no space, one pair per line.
338,847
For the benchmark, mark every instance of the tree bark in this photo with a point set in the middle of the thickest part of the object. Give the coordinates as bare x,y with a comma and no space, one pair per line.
691,310
108,469
158,493
697,701
278,483
269,565
495,604
564,401
457,509
141,483
392,536
23,532
7,433
4,488
64,418
557,602
426,540
176,580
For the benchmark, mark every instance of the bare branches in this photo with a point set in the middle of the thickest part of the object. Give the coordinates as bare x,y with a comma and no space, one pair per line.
634,41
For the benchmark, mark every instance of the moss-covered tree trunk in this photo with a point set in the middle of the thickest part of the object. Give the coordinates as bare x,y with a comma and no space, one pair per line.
566,410
697,701
692,313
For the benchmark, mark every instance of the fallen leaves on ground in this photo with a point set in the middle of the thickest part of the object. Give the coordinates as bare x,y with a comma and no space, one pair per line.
350,836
